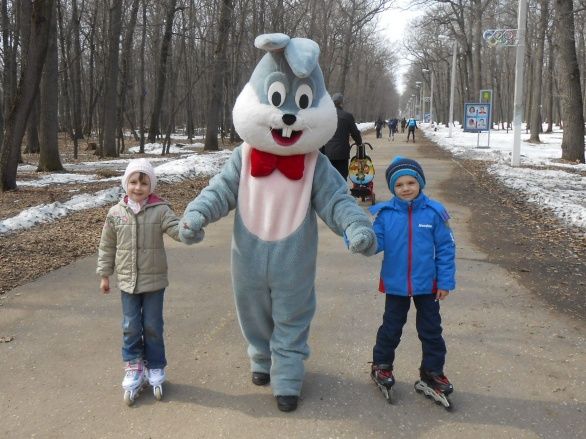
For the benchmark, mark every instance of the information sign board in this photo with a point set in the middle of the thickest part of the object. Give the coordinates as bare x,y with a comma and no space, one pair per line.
476,117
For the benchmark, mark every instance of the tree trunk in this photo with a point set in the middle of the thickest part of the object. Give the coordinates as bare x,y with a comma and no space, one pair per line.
142,79
160,90
66,83
27,90
569,77
92,93
110,114
32,128
550,73
538,73
125,83
215,102
49,160
9,59
76,74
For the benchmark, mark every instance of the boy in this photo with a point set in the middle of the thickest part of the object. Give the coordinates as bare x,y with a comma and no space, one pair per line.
419,263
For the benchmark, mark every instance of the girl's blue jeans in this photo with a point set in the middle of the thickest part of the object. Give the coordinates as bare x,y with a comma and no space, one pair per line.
429,328
142,328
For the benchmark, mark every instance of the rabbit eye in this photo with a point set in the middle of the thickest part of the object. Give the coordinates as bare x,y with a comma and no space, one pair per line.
304,96
277,93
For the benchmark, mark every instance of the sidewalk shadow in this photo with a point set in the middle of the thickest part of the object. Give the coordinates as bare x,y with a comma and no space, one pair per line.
334,398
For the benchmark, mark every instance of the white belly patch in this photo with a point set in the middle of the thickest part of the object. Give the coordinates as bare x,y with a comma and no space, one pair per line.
273,207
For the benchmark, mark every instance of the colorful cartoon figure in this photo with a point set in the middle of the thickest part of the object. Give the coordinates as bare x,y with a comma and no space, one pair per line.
279,183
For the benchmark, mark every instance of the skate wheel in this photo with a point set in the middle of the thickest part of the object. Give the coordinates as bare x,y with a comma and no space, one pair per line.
388,394
128,399
158,391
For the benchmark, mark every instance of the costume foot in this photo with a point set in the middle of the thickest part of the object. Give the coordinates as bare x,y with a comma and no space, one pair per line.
260,378
287,403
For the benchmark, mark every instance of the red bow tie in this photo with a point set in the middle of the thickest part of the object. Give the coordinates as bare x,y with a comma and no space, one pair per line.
264,163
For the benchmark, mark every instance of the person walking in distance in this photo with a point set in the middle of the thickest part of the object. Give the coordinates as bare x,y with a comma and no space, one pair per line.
337,150
403,125
392,123
411,127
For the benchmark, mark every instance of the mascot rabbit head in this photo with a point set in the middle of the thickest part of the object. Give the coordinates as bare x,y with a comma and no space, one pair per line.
284,108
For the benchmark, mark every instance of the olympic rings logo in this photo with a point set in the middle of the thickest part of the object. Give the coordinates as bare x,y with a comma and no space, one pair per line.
502,37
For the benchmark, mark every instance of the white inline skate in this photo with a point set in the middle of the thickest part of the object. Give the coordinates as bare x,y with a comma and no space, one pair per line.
435,386
156,379
134,380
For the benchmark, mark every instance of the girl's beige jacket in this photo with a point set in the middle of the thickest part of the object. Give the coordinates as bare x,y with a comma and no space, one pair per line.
133,245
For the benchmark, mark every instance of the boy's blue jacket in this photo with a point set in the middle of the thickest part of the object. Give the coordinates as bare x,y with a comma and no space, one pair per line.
419,248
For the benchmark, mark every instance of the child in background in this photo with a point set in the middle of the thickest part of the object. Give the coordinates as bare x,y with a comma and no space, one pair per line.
418,264
411,127
132,244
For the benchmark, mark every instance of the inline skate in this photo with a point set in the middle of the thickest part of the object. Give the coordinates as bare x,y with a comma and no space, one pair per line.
382,375
435,386
156,379
134,380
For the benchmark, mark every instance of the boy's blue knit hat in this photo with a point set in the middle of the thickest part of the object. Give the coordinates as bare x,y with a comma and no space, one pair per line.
403,166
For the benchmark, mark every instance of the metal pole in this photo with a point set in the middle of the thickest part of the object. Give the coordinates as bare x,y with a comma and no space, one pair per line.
431,102
421,102
519,67
452,88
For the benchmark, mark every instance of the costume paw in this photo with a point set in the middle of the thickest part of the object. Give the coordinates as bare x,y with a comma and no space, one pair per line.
188,236
361,239
190,228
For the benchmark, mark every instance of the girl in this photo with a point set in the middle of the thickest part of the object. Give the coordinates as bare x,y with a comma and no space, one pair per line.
132,243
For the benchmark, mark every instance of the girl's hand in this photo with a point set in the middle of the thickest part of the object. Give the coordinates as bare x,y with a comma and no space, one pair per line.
105,285
441,294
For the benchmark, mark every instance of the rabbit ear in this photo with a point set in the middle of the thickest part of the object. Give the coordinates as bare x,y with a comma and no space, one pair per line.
271,42
302,55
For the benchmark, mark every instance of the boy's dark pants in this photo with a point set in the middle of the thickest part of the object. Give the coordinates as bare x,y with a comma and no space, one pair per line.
429,329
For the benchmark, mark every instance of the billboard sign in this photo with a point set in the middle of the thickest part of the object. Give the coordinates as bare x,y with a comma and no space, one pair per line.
476,117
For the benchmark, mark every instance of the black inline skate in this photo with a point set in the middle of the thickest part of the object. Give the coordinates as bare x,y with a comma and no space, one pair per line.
382,375
435,386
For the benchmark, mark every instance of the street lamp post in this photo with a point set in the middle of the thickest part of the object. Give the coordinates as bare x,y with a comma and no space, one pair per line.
452,87
413,105
430,96
518,104
419,85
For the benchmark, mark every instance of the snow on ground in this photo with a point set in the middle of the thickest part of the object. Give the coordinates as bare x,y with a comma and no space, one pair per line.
542,179
157,148
195,164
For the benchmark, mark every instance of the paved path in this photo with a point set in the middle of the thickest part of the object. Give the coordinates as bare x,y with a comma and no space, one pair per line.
518,367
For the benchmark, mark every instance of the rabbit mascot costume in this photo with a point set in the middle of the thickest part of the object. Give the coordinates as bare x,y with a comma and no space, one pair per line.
277,181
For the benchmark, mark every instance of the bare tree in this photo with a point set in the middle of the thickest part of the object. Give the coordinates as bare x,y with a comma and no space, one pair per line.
49,159
219,71
111,80
569,77
76,73
125,83
538,56
162,72
26,93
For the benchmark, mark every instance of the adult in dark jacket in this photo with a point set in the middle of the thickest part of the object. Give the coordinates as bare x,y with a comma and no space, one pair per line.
338,147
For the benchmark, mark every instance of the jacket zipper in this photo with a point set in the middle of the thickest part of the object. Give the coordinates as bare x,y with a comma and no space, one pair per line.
410,252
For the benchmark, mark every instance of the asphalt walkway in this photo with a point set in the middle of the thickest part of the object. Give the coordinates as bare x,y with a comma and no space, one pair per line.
517,366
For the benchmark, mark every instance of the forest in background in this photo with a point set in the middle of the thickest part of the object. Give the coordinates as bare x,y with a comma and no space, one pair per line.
98,69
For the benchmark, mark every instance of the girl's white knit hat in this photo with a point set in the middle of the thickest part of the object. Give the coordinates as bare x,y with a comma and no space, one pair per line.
139,165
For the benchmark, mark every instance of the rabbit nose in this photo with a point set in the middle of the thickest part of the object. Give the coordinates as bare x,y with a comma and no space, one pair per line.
289,119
